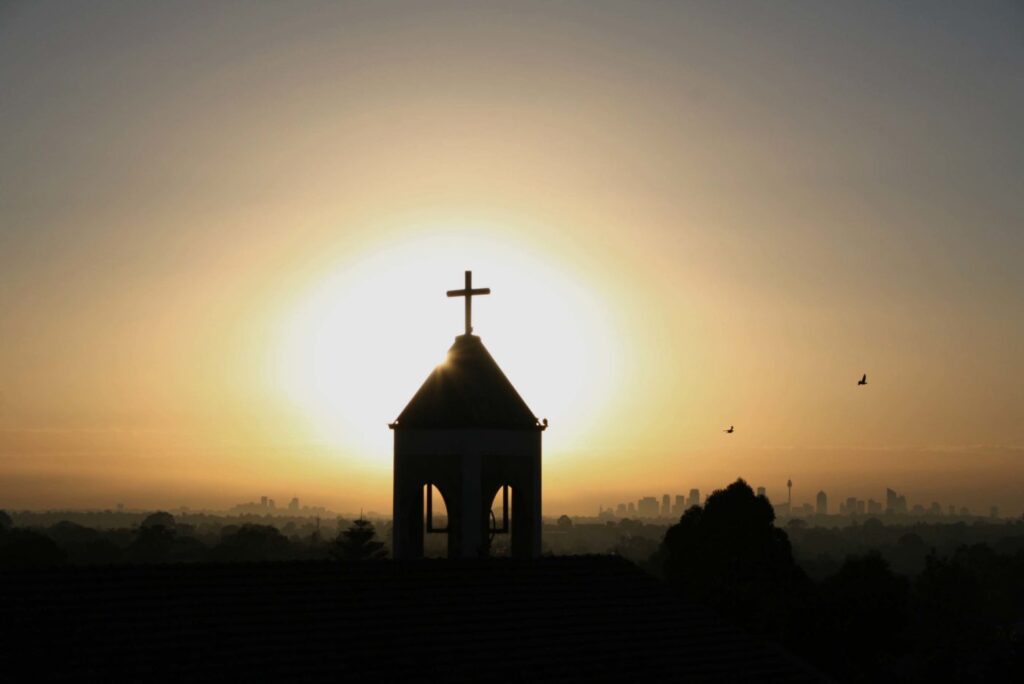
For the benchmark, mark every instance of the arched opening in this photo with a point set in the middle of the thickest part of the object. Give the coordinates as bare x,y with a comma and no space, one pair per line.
435,522
499,522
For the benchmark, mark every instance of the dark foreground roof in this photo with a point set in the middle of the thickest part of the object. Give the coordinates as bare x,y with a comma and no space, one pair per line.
568,618
468,390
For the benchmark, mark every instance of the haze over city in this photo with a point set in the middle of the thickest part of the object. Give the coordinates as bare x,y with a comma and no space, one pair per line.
226,234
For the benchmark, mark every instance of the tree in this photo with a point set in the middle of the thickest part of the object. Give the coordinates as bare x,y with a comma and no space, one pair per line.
253,543
27,549
159,519
564,522
730,555
867,603
356,543
152,544
5,521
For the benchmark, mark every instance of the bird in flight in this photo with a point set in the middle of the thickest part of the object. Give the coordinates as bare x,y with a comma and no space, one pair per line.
730,430
863,380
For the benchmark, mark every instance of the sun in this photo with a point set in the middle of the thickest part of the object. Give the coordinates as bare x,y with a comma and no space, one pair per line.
355,346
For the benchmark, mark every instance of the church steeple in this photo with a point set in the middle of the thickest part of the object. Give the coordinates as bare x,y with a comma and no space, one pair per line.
469,435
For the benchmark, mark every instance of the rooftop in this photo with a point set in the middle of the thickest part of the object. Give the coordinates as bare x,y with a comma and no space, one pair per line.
467,390
566,618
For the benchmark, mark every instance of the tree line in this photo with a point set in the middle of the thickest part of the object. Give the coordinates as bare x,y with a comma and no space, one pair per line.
867,602
161,539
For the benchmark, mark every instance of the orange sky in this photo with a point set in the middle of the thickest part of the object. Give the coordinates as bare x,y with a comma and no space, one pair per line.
226,233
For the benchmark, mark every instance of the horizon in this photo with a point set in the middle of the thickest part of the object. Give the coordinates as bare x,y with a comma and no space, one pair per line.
226,235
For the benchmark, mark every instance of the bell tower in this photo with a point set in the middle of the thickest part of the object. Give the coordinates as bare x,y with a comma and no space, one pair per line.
468,434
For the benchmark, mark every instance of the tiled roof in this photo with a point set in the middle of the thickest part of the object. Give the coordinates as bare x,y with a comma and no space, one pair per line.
562,618
468,390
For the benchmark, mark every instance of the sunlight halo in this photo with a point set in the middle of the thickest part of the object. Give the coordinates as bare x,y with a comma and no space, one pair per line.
354,347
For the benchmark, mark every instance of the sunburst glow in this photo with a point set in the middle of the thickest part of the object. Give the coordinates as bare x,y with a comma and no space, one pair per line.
357,345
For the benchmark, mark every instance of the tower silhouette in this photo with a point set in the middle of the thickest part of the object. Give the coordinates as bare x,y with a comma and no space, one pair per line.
467,433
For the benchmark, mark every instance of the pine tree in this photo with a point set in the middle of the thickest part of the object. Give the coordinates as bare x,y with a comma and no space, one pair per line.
356,543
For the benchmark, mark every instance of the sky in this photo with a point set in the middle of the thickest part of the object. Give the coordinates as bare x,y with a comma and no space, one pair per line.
227,228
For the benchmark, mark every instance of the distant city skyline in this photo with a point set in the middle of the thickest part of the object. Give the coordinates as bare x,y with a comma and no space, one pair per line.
892,503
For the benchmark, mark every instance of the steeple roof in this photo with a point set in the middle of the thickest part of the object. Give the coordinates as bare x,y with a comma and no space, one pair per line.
468,390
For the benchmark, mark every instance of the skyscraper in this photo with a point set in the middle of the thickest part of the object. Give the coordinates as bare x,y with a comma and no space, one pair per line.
822,503
760,491
680,506
694,499
666,506
647,507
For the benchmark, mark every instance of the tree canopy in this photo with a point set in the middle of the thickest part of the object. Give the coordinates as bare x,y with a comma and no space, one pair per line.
357,543
730,555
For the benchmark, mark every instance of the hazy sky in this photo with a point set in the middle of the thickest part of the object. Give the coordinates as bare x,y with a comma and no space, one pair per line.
226,230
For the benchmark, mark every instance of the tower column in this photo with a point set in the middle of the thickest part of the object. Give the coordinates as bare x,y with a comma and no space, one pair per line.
407,522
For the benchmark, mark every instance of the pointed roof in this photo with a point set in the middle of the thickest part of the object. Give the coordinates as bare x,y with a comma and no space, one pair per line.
468,390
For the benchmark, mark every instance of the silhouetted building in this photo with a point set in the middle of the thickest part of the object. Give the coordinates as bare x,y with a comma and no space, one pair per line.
467,434
293,505
936,508
874,507
895,503
822,503
694,499
620,510
666,506
647,507
262,507
631,508
851,505
994,512
680,506
760,491
952,509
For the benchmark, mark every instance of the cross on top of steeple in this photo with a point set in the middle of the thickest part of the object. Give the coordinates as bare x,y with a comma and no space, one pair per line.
468,293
